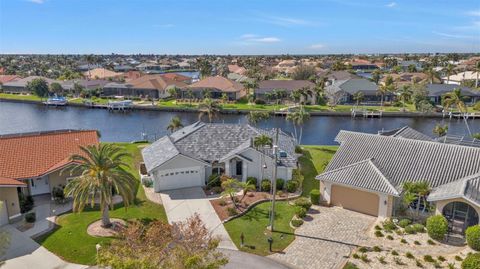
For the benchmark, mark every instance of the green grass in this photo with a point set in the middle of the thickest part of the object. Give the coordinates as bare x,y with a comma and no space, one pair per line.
253,226
70,239
27,97
312,163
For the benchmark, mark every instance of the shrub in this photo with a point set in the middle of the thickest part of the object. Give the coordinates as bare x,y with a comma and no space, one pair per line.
26,202
232,211
355,256
389,237
418,263
437,227
303,202
315,196
477,106
365,258
394,253
441,258
377,249
298,149
404,223
216,189
30,217
416,243
410,229
451,266
259,102
252,181
300,212
428,258
381,259
363,249
472,261
403,241
213,181
147,183
473,237
379,234
350,265
430,242
222,202
409,255
297,222
419,228
59,196
398,261
378,228
388,225
292,186
458,258
280,183
266,185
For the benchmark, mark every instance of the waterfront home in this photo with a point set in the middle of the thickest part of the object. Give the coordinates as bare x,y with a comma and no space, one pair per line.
368,171
406,78
102,73
188,157
461,77
69,85
333,76
410,63
32,163
343,91
152,86
436,91
7,78
268,87
233,68
216,86
20,85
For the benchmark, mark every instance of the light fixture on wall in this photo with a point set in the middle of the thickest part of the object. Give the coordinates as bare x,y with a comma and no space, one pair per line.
264,166
385,202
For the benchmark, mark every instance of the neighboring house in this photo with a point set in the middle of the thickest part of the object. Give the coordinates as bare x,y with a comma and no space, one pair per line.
405,65
405,78
216,86
69,85
188,157
86,67
32,163
20,85
102,73
267,87
7,78
461,77
368,171
122,68
342,92
362,65
153,86
436,91
178,77
233,68
334,76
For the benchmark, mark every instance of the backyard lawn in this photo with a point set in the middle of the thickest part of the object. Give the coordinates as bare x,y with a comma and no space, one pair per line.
70,239
253,226
312,163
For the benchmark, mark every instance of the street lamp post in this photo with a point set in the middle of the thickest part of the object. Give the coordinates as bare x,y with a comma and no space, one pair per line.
274,183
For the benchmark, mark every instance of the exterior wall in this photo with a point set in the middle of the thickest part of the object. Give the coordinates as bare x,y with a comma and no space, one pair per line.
441,204
356,200
59,178
180,162
10,196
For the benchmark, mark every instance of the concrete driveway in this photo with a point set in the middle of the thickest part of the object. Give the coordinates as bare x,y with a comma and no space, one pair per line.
181,204
326,238
239,259
24,253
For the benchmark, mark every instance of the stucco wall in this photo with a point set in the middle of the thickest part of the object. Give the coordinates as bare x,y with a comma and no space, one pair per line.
441,204
10,196
255,167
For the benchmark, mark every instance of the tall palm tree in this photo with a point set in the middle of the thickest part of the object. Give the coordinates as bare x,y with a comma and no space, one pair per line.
405,93
251,85
102,170
416,191
376,74
358,97
210,108
296,95
456,99
449,71
431,74
386,87
90,60
262,141
298,118
175,124
254,117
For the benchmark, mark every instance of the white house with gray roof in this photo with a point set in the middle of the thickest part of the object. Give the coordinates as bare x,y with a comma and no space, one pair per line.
368,171
188,157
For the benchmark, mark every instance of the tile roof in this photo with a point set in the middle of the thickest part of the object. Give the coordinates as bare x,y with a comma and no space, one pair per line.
406,132
159,152
364,174
287,85
441,89
101,73
35,154
23,81
7,78
217,82
405,160
351,86
467,188
10,182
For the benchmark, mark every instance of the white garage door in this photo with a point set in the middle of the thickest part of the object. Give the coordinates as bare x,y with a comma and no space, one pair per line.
179,178
3,213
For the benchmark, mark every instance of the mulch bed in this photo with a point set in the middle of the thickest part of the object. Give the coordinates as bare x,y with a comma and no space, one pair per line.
252,197
96,229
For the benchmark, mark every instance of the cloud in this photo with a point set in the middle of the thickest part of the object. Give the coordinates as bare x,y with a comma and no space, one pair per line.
284,21
259,39
317,46
475,13
392,4
455,36
37,1
248,36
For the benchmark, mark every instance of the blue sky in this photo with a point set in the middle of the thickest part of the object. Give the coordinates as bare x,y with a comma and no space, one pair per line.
238,26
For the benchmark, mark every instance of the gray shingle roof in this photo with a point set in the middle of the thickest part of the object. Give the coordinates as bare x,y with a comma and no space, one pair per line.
351,86
364,174
441,89
407,159
158,153
287,85
467,188
406,132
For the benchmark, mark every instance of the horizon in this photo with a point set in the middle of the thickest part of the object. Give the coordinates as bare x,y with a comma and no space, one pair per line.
246,28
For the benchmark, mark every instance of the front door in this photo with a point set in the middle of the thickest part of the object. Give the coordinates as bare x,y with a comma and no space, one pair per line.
39,185
239,168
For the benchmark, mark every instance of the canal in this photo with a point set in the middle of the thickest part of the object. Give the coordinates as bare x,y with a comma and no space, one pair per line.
129,126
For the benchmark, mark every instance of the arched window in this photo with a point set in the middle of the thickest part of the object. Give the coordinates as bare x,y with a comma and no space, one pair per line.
460,216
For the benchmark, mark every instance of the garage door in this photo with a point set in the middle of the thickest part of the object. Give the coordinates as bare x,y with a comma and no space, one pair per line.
3,213
356,200
179,178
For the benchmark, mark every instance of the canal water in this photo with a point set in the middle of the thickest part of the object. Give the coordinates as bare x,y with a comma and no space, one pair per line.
129,126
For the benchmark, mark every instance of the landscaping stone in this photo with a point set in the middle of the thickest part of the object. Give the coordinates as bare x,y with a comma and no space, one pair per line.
96,229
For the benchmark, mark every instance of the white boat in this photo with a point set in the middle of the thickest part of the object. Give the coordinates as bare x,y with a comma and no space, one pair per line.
56,101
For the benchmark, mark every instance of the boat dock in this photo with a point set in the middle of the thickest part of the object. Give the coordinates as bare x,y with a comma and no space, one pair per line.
112,105
365,113
459,115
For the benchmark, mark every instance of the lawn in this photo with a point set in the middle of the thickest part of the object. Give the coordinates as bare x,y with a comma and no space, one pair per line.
70,239
312,163
27,97
253,226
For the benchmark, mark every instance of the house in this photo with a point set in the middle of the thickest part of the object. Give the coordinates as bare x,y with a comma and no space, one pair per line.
188,157
406,65
436,91
267,87
7,78
69,85
343,91
406,78
233,68
20,85
367,173
153,86
216,86
461,77
102,73
334,76
32,163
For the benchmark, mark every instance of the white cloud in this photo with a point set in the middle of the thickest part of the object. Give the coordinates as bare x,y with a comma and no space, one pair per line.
259,39
456,36
37,1
317,46
248,36
475,13
392,4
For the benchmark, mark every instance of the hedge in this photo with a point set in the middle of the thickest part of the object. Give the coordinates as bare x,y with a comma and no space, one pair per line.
437,227
315,196
472,261
472,235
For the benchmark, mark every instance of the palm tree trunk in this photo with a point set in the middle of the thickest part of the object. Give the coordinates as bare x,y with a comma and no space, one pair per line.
106,217
300,135
476,80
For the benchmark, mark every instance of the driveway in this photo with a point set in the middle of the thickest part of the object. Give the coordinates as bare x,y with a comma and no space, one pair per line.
326,238
181,204
24,253
239,259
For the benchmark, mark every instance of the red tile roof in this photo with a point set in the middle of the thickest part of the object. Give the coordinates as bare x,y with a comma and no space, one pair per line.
8,78
10,182
35,154
217,82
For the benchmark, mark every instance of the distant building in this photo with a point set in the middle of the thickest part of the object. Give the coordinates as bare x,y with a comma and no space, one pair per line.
288,86
7,78
461,77
343,91
216,86
20,85
436,91
405,64
102,73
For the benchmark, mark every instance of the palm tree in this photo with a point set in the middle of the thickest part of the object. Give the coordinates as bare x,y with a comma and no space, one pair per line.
254,117
90,59
172,92
102,170
358,97
449,70
262,141
319,89
440,130
224,97
296,95
416,191
175,124
208,107
431,74
190,95
385,88
376,74
251,85
455,98
405,93
477,69
298,118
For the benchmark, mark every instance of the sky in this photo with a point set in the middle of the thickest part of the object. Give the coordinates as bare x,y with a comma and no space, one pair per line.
239,26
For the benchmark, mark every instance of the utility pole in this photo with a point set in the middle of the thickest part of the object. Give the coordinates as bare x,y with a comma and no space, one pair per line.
274,181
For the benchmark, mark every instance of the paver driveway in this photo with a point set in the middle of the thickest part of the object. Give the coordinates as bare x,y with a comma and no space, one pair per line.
327,239
181,204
